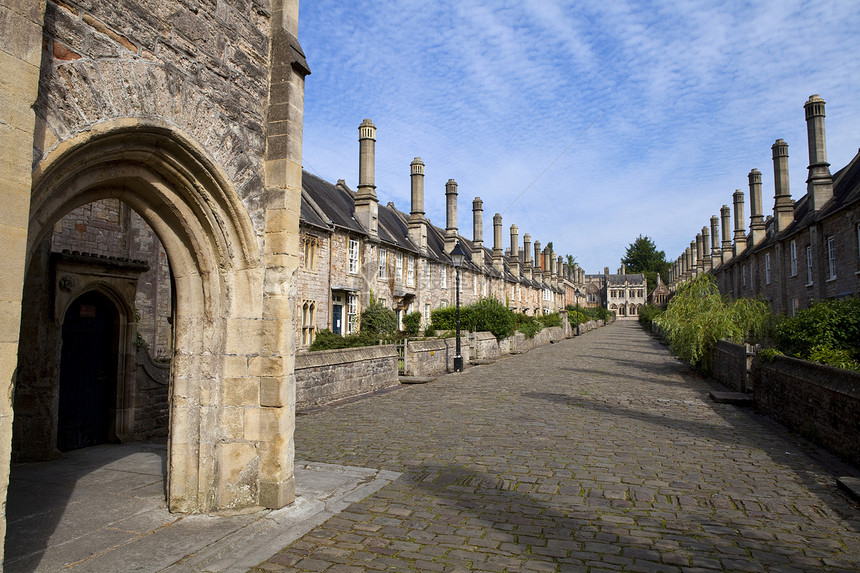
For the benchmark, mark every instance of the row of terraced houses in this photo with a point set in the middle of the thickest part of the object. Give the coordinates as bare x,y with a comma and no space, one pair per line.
806,250
353,248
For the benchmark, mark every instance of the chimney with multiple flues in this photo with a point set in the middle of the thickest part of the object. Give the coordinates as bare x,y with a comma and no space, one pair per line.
819,185
783,206
366,203
417,223
757,228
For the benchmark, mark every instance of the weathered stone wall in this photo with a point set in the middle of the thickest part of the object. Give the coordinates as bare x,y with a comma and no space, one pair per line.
200,66
20,58
327,376
108,227
821,402
427,357
729,365
486,346
151,397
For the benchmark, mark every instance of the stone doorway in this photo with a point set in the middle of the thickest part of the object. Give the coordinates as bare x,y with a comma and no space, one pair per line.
88,373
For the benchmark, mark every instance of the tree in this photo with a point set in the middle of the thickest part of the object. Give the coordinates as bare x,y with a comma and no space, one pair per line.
643,257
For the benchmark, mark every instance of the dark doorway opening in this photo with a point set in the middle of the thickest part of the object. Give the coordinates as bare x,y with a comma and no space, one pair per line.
88,373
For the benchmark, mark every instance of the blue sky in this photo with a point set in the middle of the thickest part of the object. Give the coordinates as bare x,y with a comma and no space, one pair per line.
584,123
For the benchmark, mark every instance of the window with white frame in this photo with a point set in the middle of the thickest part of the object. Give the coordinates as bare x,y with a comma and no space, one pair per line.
443,304
795,305
398,267
767,268
383,268
410,271
308,320
831,257
351,313
443,276
428,274
353,256
792,257
809,273
426,314
475,285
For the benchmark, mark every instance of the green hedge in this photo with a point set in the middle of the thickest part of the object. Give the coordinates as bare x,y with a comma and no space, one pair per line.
827,332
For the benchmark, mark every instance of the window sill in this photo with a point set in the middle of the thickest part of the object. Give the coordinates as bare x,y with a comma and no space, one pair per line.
809,284
831,279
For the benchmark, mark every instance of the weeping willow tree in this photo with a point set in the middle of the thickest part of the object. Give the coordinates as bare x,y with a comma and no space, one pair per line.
698,316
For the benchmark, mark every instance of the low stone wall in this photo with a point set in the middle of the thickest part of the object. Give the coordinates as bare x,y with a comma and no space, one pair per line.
486,346
330,375
426,357
730,364
820,402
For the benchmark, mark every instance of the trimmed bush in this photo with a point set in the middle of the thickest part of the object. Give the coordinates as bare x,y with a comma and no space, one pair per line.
827,332
488,314
327,340
378,320
412,323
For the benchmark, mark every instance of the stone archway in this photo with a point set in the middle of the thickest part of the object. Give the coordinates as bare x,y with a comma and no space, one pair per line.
230,442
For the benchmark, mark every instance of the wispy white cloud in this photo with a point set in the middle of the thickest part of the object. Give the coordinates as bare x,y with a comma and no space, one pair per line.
648,115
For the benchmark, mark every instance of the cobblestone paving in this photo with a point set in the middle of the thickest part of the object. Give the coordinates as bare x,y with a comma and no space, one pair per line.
599,453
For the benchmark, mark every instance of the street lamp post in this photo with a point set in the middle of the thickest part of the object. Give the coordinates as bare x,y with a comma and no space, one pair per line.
577,293
457,257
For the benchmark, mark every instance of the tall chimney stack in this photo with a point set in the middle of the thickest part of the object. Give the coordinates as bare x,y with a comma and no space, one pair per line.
740,231
538,272
451,215
757,229
498,255
527,256
716,256
478,231
417,223
819,185
514,261
707,263
366,203
726,216
783,207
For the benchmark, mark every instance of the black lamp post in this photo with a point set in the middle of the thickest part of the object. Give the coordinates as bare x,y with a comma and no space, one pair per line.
577,293
458,255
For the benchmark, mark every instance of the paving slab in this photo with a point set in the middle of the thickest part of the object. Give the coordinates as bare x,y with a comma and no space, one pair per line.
103,509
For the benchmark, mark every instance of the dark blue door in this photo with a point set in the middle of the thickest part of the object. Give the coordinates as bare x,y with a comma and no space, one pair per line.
336,313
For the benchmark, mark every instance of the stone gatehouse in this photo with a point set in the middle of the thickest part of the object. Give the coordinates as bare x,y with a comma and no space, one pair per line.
185,118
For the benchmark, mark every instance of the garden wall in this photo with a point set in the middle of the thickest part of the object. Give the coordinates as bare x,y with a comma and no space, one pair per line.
730,364
486,346
821,402
327,376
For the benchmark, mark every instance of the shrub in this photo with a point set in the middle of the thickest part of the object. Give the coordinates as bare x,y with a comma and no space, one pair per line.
648,314
576,316
528,325
444,318
827,332
429,332
768,354
698,316
378,320
327,340
412,323
551,319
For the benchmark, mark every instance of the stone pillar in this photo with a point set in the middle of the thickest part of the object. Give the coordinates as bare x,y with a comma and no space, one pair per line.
757,230
450,215
366,203
700,254
819,185
694,258
538,272
417,222
726,215
689,270
498,255
707,263
783,206
19,68
740,231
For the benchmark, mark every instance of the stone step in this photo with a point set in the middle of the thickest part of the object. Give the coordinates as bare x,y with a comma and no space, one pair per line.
736,398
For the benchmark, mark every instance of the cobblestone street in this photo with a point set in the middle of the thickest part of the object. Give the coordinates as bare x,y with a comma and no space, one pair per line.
599,453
